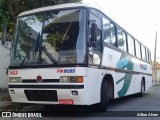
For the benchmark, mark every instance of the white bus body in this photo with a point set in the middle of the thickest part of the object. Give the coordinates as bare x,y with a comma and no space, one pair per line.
125,74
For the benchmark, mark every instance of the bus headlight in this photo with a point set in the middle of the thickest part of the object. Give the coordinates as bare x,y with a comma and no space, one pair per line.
64,79
14,79
68,79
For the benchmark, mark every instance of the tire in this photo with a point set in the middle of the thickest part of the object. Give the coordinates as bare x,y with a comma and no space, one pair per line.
102,106
141,94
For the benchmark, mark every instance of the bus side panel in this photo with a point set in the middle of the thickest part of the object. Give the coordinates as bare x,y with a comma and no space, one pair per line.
93,85
148,82
110,57
127,72
142,70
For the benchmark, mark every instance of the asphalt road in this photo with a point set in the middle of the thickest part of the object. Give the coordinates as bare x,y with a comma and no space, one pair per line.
126,106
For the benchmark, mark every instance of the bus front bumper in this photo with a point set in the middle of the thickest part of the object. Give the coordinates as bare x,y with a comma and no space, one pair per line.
48,94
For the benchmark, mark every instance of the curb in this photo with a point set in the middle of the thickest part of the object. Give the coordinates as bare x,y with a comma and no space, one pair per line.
4,100
4,104
156,84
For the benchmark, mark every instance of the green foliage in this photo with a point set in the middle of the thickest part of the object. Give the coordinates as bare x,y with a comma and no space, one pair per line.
9,9
4,13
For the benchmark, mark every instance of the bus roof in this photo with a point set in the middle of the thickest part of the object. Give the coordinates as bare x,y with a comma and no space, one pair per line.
60,6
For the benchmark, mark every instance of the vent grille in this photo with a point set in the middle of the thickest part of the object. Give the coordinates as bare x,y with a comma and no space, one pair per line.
41,95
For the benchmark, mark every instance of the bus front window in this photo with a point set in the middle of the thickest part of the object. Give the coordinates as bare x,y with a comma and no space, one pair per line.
54,37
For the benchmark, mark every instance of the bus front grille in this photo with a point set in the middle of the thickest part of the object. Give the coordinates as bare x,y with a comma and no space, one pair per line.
41,95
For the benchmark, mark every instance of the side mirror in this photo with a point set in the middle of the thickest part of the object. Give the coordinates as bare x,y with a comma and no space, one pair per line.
93,38
4,33
3,42
7,69
6,41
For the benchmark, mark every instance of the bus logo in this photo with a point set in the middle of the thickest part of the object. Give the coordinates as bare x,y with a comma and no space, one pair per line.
143,66
65,70
39,79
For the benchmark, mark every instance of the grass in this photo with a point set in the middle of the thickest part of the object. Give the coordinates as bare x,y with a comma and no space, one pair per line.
13,107
6,98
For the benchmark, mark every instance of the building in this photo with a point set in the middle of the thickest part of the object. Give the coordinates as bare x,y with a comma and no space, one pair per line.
156,74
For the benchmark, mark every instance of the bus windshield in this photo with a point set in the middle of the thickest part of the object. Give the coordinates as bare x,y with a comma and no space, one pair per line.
50,38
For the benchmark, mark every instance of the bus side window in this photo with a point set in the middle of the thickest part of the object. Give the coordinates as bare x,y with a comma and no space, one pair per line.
143,52
121,35
98,45
149,56
95,48
109,32
131,45
138,52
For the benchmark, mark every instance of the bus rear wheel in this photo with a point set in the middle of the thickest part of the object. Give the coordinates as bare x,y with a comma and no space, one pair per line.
102,106
142,89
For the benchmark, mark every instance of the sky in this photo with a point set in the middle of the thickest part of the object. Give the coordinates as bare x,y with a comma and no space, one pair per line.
141,18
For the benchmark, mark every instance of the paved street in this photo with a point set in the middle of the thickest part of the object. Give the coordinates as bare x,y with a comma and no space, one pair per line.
150,102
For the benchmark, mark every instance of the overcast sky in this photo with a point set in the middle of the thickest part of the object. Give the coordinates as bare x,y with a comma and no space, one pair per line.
141,18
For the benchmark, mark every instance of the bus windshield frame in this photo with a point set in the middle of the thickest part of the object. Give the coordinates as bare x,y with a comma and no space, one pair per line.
50,38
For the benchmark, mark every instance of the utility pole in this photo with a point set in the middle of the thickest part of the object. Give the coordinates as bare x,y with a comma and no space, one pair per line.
155,49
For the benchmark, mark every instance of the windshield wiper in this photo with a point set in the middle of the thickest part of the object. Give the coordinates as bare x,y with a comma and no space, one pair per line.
24,59
50,56
42,48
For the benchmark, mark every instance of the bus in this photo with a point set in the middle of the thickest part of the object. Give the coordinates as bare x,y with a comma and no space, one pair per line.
74,54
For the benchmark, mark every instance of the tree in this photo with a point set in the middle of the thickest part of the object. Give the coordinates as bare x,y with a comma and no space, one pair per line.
4,18
9,10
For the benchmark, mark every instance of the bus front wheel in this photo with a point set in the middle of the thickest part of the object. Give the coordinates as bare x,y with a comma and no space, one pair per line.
102,106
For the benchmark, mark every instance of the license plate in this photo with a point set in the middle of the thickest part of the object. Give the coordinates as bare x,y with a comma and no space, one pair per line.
66,101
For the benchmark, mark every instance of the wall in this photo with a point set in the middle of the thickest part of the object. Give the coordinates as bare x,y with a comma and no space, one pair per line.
4,62
158,74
